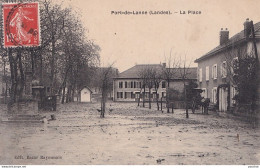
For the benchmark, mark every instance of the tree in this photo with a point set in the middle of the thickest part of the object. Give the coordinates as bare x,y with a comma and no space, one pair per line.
168,72
142,74
65,50
105,76
150,73
184,70
157,79
241,73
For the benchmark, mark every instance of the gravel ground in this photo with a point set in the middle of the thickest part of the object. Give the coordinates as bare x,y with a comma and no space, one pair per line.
129,135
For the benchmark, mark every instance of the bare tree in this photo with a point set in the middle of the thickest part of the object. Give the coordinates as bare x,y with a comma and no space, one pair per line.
150,72
184,70
169,71
157,79
106,83
143,76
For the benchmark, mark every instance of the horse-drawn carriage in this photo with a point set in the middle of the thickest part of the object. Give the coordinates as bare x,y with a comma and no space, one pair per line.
198,101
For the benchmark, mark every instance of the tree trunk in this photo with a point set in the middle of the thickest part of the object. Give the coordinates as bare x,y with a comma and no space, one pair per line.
167,97
22,80
13,68
63,94
103,105
157,101
144,98
32,62
73,94
186,103
52,63
161,104
68,94
150,98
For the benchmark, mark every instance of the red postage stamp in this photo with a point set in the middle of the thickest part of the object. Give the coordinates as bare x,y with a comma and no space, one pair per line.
21,24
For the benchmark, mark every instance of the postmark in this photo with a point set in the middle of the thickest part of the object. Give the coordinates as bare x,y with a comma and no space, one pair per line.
21,24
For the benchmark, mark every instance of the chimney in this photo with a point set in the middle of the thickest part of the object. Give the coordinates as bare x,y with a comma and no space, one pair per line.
223,36
247,28
164,65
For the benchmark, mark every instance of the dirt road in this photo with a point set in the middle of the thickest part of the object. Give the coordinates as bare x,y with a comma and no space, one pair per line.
129,135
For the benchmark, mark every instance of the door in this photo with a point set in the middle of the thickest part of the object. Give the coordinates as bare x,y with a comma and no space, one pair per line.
85,95
223,99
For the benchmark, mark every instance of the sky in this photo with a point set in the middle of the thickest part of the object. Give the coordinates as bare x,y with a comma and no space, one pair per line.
126,40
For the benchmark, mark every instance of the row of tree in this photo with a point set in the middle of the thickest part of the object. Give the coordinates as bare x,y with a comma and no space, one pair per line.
65,60
152,76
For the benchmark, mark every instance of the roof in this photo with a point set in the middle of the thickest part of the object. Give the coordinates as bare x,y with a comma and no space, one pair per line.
133,73
87,88
191,73
232,41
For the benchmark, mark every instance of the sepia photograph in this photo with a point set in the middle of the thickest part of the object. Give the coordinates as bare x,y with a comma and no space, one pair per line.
129,82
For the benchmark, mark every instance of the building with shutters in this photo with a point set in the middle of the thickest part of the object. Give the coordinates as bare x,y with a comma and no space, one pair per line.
213,66
127,86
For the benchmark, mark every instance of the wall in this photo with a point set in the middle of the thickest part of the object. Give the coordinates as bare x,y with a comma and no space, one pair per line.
85,95
216,59
129,89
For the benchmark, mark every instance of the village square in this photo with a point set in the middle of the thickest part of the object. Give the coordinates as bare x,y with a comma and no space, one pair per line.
64,102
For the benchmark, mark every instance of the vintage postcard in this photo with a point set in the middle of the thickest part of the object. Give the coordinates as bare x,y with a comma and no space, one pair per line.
134,82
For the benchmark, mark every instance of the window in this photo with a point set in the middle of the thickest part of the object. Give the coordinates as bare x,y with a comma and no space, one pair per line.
163,94
138,84
233,94
137,95
119,95
163,84
127,95
132,84
132,95
200,75
207,73
125,84
146,95
215,71
120,84
214,95
223,69
204,93
155,95
235,66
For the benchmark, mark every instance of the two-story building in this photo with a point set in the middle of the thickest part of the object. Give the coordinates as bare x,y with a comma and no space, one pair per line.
128,85
214,66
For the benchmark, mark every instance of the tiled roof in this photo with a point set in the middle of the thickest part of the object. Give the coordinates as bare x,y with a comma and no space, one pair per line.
133,73
233,40
191,73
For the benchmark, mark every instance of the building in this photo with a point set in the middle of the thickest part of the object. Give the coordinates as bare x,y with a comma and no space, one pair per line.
127,86
85,94
95,86
215,66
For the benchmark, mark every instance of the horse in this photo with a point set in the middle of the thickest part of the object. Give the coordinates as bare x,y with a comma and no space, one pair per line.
205,105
